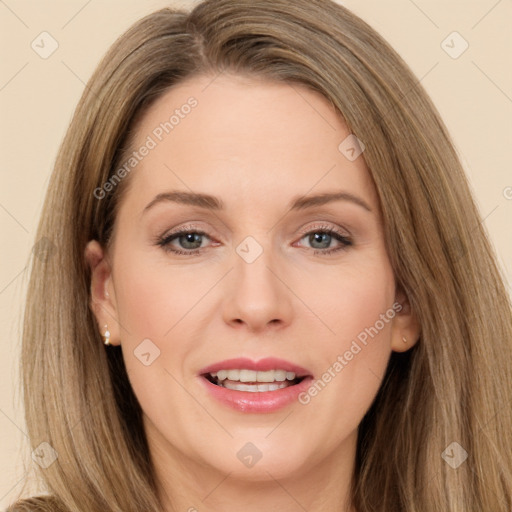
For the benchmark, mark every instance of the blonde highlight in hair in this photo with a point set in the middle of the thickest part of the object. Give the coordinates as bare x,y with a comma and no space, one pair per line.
455,385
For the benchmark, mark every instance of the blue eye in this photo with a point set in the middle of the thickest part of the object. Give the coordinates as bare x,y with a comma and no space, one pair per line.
190,241
324,237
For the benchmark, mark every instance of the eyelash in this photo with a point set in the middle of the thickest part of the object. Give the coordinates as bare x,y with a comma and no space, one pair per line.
165,240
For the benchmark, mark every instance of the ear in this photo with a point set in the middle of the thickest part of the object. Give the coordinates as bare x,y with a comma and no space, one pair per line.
103,300
405,330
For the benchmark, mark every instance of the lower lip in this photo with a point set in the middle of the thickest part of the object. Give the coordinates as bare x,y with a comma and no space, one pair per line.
259,402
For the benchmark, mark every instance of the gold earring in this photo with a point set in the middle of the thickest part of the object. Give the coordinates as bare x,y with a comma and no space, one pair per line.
106,336
404,339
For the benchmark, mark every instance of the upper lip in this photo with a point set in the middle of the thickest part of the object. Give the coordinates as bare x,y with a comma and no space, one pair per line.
268,363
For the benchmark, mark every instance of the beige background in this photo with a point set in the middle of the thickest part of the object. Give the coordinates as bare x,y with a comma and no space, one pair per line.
37,97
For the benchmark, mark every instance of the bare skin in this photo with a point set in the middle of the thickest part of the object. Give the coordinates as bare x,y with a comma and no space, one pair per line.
256,146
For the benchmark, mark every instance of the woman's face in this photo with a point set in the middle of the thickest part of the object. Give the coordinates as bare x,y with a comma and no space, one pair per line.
265,271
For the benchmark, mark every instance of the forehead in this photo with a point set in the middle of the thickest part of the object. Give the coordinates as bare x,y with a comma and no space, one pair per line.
259,139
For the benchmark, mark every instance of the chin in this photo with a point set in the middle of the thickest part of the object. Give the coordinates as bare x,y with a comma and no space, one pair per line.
253,462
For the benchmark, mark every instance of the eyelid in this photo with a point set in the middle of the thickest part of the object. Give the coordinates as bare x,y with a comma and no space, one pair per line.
189,226
324,225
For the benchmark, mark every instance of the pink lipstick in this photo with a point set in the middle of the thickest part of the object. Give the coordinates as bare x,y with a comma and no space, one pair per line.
262,386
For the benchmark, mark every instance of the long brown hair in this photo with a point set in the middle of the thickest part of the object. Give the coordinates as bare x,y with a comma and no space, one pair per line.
454,386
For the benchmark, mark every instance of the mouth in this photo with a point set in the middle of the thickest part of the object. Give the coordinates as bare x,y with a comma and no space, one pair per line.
254,381
250,386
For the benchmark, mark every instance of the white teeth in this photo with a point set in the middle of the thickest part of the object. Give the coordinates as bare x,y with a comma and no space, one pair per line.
243,375
253,376
222,374
254,387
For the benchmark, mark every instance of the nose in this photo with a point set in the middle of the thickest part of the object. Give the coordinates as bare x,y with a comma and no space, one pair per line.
257,296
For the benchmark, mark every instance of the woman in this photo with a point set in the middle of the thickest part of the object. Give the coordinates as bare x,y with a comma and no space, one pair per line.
261,214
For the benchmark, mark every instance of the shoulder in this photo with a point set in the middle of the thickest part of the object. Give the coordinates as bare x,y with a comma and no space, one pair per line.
37,504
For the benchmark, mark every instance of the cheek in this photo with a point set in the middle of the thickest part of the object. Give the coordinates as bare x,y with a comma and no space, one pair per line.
353,356
156,305
352,302
363,312
151,299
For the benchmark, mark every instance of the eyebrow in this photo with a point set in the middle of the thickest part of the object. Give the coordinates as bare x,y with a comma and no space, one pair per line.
210,202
